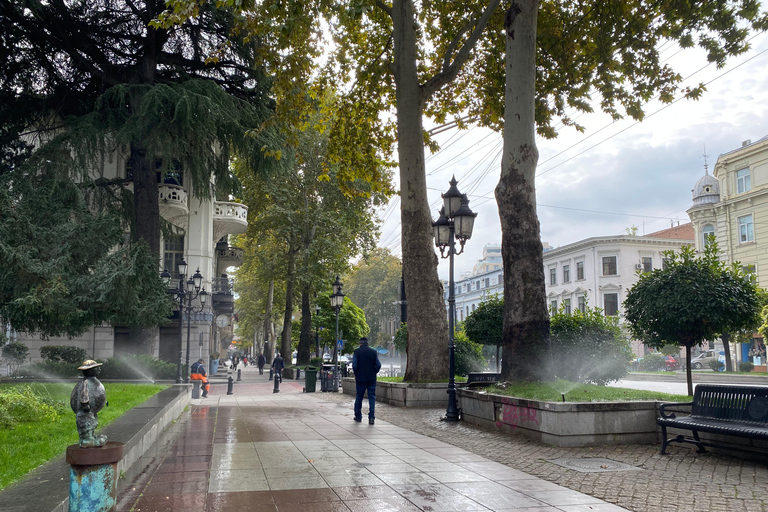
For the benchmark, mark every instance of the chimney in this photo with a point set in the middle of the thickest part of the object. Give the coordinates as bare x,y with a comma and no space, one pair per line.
746,143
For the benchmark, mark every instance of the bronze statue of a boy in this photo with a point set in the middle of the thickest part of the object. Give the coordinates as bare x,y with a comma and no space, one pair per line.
87,399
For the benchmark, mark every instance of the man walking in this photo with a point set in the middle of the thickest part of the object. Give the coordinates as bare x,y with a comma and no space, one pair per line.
277,365
366,364
261,361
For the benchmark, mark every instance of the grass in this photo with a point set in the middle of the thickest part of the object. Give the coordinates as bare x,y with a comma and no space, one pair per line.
400,379
27,445
548,392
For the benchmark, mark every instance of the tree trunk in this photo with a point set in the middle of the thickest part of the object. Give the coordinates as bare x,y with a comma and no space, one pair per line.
285,341
726,337
269,327
305,340
498,346
526,320
427,324
688,378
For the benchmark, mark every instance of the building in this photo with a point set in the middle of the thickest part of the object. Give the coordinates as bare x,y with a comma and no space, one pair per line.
598,271
203,245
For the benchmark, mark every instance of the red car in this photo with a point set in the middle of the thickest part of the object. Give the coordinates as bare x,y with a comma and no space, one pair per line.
670,363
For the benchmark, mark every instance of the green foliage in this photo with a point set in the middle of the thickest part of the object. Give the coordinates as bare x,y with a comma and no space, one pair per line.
352,324
746,366
588,347
23,405
716,365
14,354
138,367
469,355
48,369
401,338
67,354
486,323
551,392
652,362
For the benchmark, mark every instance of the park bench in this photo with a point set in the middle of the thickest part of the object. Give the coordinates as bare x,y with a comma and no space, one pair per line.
740,411
481,379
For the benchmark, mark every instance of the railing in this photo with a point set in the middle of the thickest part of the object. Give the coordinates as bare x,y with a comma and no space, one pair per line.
226,210
173,194
221,285
230,253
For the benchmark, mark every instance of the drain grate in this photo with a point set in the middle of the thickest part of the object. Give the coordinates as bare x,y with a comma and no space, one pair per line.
593,465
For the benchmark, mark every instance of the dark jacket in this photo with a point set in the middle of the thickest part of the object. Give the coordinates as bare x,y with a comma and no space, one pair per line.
262,360
197,367
366,364
278,364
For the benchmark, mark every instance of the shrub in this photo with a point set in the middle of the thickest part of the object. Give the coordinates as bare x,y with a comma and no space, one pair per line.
14,355
716,365
468,354
652,363
317,362
20,404
138,367
68,354
746,366
588,347
48,370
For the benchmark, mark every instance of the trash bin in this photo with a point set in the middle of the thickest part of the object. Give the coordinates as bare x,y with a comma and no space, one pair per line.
327,378
310,379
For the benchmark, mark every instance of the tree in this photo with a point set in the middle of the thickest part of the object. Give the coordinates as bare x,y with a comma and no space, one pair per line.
352,324
691,300
85,82
373,283
485,324
14,355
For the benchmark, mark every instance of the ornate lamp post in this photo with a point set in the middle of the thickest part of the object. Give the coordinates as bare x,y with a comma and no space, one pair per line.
456,221
190,292
317,330
337,301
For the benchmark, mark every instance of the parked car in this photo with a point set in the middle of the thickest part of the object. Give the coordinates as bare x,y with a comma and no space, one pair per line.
670,363
702,360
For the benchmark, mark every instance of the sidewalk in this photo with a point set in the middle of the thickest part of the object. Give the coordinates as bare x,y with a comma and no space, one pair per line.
258,451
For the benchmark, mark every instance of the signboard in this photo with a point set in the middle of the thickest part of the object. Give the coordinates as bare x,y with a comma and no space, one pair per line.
340,344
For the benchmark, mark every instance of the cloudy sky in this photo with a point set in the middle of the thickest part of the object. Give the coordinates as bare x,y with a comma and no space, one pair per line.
615,175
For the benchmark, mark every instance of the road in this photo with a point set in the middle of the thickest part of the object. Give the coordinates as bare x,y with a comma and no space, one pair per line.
677,388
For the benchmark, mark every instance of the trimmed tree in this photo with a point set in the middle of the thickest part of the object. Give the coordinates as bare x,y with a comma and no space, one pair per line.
485,324
691,300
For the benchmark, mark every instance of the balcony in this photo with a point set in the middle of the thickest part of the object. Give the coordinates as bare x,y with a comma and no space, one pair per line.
173,203
222,299
228,257
229,219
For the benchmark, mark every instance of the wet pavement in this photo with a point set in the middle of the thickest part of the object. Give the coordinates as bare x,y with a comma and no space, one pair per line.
257,450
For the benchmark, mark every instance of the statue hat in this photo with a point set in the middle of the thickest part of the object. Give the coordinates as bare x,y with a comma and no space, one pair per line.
88,364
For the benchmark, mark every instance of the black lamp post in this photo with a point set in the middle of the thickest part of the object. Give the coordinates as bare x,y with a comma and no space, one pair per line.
317,330
337,301
456,221
190,292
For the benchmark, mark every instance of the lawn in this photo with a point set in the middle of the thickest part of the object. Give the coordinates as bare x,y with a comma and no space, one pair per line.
26,445
551,392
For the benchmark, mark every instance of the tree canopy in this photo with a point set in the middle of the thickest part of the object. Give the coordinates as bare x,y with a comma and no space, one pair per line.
691,300
485,325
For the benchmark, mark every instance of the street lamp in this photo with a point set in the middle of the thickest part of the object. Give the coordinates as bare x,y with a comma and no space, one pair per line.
337,301
191,291
456,220
317,330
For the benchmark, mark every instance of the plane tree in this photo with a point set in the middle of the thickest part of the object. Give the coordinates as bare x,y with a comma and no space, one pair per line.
691,300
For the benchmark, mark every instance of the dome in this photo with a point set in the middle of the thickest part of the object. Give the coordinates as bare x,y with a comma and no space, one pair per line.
706,191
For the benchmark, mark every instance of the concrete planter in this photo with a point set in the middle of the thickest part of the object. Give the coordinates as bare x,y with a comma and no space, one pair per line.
291,373
404,394
565,424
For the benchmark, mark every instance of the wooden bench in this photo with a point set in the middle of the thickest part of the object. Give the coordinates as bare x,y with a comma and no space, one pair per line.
480,379
740,411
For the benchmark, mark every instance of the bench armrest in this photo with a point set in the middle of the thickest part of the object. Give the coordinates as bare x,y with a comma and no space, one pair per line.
671,404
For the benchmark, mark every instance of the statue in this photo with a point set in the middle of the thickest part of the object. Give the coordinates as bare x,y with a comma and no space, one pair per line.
87,399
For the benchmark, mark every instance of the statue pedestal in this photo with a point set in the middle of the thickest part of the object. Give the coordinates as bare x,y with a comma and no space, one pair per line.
93,477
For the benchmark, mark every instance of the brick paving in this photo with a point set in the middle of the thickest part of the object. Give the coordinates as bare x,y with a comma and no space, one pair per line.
681,481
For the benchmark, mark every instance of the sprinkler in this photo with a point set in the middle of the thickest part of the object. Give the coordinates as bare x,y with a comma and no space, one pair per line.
563,395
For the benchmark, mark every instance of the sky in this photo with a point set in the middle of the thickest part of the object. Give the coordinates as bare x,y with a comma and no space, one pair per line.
614,175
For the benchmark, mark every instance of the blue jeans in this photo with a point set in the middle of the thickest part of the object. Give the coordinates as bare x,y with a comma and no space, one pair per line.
361,389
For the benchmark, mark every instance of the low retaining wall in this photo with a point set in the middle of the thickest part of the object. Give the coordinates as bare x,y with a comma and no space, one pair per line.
47,487
565,424
403,394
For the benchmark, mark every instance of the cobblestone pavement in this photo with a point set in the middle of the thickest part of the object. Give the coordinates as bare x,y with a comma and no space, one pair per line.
682,480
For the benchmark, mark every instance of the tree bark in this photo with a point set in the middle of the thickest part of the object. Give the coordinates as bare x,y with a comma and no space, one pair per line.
726,337
285,339
688,377
526,320
269,327
305,340
427,323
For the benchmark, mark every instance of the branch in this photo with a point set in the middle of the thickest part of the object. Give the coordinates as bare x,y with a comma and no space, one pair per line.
449,72
384,7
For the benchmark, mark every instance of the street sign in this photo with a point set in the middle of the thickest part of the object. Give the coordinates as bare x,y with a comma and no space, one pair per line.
340,344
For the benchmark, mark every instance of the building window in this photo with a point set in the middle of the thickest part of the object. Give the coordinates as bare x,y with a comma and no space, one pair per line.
487,282
553,276
583,304
611,304
746,231
567,306
467,310
501,278
743,183
566,273
173,252
647,264
706,232
553,305
609,266
473,308
477,285
579,270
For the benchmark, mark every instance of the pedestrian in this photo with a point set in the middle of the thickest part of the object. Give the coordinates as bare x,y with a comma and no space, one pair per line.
245,361
277,365
365,364
262,361
235,360
197,372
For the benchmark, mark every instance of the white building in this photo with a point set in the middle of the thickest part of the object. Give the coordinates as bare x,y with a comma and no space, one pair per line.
599,271
203,245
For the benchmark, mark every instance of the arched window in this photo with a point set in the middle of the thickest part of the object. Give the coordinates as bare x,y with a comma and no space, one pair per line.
707,231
